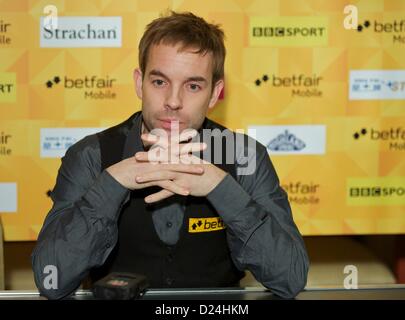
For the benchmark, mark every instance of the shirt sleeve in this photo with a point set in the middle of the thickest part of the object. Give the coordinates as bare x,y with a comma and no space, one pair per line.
262,235
80,231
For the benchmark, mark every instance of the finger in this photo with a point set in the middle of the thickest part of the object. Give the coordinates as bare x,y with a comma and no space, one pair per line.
149,139
187,163
141,156
192,147
158,196
153,155
187,134
190,159
156,175
153,140
179,167
165,184
174,132
161,155
173,187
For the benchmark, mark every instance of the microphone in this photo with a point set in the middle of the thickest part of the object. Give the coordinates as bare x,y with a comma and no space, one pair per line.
120,286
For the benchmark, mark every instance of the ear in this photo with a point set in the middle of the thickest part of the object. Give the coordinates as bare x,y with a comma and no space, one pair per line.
219,85
138,82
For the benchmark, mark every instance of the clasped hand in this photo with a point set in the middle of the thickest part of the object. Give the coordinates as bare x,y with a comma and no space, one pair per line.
170,165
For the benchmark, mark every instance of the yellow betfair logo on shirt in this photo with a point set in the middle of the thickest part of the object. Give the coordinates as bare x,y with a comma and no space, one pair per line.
196,225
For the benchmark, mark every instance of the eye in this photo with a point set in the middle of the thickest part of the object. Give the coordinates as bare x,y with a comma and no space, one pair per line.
194,87
158,83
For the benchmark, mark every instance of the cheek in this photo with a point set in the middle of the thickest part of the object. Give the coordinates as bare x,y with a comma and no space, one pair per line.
195,111
150,106
197,102
153,99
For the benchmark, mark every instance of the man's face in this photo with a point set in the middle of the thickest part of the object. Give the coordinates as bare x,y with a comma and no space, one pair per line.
176,86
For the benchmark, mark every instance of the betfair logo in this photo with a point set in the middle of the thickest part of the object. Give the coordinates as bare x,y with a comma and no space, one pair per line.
302,85
394,136
4,32
394,27
387,27
359,134
50,83
95,87
361,27
196,225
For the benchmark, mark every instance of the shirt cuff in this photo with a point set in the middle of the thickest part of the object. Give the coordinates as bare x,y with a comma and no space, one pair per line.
107,195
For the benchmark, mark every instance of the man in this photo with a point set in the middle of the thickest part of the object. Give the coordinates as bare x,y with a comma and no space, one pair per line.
121,206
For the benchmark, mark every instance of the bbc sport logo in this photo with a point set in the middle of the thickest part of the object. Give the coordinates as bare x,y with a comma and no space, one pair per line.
377,85
302,31
56,141
291,139
375,191
8,87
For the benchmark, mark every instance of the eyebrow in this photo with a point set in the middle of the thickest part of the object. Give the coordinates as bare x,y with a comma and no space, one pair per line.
161,74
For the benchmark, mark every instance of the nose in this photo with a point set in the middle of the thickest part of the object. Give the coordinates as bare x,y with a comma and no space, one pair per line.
173,100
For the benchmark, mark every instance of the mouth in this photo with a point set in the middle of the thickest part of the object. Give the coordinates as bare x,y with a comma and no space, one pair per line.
169,123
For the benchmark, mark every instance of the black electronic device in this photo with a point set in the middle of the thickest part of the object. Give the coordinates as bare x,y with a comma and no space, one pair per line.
120,286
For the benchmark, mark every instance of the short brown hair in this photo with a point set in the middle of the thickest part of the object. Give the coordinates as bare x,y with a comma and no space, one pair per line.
191,31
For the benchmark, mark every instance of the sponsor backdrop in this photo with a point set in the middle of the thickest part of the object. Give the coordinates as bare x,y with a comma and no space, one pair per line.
328,102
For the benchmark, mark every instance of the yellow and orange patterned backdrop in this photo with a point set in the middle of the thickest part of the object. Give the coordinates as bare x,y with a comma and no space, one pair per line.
327,100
